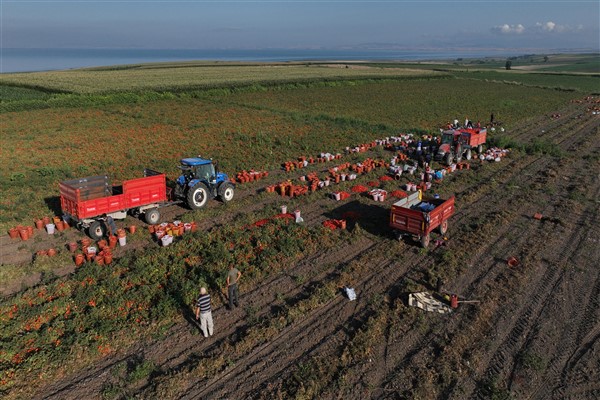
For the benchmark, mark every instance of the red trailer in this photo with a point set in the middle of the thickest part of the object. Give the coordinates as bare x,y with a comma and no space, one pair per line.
87,201
457,143
418,216
474,138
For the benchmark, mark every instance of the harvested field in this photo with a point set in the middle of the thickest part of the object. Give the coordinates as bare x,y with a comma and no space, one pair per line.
532,334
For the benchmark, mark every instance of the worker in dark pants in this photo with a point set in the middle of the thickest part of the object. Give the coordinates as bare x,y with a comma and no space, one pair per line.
439,285
111,227
232,286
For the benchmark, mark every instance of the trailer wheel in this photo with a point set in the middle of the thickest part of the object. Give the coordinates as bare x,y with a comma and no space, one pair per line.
226,192
480,149
96,230
197,196
444,227
152,216
448,159
468,154
425,241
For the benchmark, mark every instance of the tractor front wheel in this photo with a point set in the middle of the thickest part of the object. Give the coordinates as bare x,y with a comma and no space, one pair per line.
226,192
448,159
197,196
96,230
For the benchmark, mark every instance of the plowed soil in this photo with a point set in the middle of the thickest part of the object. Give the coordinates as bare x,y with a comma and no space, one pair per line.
530,331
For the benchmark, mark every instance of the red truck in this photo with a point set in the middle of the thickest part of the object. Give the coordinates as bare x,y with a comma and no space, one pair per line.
87,201
457,143
418,216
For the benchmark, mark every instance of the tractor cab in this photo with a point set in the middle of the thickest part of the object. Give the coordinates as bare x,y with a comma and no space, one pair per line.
451,136
198,168
451,147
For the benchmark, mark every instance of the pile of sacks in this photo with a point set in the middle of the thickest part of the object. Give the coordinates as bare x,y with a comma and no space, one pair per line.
494,154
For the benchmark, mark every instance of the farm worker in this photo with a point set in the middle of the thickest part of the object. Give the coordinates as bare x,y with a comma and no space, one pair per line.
111,228
204,312
492,119
233,278
455,125
427,174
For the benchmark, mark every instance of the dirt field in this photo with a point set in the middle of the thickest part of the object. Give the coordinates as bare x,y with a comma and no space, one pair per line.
533,334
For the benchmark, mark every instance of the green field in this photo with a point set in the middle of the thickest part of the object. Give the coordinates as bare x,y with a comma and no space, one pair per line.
183,77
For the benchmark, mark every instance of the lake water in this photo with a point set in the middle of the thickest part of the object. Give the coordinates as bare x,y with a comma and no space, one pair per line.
27,60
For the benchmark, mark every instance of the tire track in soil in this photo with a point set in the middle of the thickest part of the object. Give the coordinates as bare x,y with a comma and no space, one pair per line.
470,289
471,263
171,354
544,126
262,296
498,361
498,365
313,331
324,340
408,272
403,276
414,346
483,198
574,346
574,244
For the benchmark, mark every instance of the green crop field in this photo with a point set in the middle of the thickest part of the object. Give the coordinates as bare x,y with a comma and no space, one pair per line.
558,81
426,104
184,77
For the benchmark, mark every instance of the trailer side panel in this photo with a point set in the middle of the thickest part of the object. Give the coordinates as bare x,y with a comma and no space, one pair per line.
80,198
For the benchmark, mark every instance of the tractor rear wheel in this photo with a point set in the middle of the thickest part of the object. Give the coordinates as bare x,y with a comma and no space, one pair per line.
96,230
197,196
468,154
459,154
152,216
480,149
226,192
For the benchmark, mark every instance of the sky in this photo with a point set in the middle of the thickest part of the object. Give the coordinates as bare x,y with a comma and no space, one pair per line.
196,24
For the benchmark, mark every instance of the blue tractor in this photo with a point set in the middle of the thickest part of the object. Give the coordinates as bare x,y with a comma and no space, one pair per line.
199,181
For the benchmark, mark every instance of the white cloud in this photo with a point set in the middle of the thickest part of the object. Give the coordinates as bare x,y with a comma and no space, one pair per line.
554,27
540,27
507,29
